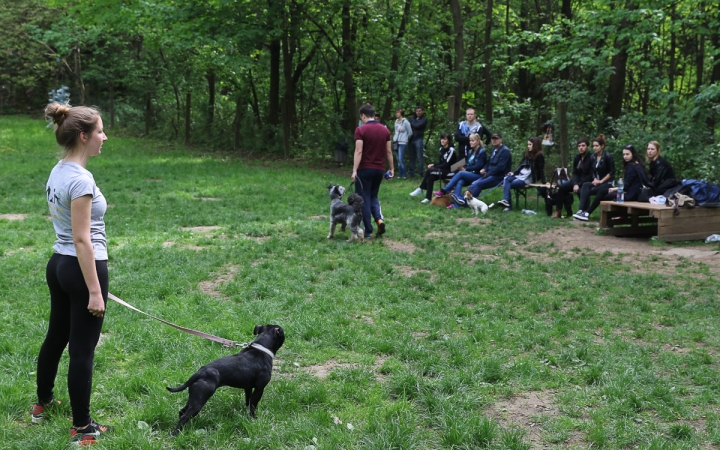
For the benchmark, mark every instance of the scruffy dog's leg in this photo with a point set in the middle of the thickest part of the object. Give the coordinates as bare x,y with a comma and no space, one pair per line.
332,230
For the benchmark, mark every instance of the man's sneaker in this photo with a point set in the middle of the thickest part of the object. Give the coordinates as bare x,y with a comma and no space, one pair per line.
582,215
439,194
416,193
424,201
88,435
368,235
381,227
459,200
504,202
40,410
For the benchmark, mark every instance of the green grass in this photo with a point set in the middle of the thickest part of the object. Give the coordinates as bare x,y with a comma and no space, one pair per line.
420,349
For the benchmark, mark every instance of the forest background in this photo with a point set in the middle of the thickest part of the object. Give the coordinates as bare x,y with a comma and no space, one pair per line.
285,78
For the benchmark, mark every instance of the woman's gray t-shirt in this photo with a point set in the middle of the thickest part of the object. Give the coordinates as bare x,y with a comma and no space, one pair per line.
67,182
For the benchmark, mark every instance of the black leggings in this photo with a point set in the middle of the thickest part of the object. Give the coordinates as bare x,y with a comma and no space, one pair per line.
431,176
70,323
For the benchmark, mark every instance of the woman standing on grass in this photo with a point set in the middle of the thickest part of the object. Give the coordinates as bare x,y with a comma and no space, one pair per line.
77,273
662,175
403,132
635,177
434,172
530,170
603,169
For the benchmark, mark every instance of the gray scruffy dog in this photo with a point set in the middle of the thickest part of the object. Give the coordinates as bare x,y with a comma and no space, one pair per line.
249,370
349,214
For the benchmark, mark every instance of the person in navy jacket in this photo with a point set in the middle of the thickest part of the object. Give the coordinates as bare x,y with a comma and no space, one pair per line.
499,163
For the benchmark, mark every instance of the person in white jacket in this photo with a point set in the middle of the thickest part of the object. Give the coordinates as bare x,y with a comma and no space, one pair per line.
403,131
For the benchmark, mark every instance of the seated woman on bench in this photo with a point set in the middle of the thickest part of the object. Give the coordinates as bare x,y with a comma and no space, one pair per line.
439,170
582,173
474,162
603,167
662,175
530,170
635,176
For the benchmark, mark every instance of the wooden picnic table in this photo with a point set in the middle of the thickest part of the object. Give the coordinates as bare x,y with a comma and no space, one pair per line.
640,218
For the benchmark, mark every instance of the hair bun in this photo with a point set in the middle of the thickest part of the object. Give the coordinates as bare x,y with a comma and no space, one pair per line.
58,112
602,136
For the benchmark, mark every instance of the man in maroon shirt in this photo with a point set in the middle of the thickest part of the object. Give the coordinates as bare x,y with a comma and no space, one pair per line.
372,152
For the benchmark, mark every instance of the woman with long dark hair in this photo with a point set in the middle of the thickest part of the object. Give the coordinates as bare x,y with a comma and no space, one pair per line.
635,177
440,170
530,170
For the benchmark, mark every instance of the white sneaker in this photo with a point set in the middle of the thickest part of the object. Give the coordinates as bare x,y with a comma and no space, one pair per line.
424,201
416,193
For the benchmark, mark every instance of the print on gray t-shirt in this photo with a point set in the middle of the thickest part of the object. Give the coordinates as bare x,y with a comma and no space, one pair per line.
67,182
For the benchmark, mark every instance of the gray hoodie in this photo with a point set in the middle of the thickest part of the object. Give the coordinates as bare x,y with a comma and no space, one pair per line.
403,131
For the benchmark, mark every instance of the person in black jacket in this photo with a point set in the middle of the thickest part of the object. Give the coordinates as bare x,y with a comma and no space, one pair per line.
434,172
416,146
530,170
603,169
635,177
662,175
581,173
467,127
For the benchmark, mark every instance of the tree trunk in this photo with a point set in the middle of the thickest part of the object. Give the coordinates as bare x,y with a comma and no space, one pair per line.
187,118
616,86
255,104
459,66
715,76
78,76
274,99
348,63
395,61
487,72
211,102
563,141
237,122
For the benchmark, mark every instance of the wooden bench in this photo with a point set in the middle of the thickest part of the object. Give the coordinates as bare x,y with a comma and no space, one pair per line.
639,218
522,192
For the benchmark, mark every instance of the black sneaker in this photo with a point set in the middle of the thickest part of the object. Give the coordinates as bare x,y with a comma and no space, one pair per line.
381,227
504,202
40,410
88,435
582,215
460,201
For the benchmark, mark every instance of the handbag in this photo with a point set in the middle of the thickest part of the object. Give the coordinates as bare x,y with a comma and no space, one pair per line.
645,194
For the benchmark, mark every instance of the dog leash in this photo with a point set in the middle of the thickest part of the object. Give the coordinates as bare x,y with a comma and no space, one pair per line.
223,341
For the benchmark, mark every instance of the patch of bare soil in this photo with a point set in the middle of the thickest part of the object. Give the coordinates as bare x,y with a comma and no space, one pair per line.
167,244
318,217
258,239
528,411
154,180
474,220
206,229
399,246
441,234
210,287
209,199
323,370
637,252
409,271
367,319
13,216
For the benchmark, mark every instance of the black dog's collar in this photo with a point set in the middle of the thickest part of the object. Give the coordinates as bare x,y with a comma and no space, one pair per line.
263,349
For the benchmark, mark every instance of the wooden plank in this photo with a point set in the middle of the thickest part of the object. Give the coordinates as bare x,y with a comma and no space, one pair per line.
634,220
689,227
682,236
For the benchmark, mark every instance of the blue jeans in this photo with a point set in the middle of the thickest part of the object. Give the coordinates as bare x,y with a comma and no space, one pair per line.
368,186
402,168
511,183
416,153
489,181
459,180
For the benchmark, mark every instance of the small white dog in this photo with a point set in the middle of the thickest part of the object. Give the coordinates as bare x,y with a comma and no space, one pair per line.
475,204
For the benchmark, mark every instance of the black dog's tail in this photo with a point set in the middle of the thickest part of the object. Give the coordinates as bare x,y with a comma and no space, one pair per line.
184,386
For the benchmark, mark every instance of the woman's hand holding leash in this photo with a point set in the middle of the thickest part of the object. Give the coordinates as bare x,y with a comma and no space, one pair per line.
96,305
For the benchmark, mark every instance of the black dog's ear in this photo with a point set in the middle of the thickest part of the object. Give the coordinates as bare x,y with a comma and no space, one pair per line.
257,329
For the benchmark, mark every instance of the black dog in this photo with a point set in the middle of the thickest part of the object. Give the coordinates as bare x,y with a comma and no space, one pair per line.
349,214
250,369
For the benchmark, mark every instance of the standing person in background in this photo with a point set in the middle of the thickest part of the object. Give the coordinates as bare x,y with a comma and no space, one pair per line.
499,164
447,158
372,152
403,132
662,174
603,168
467,127
530,170
582,173
418,124
635,177
77,273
